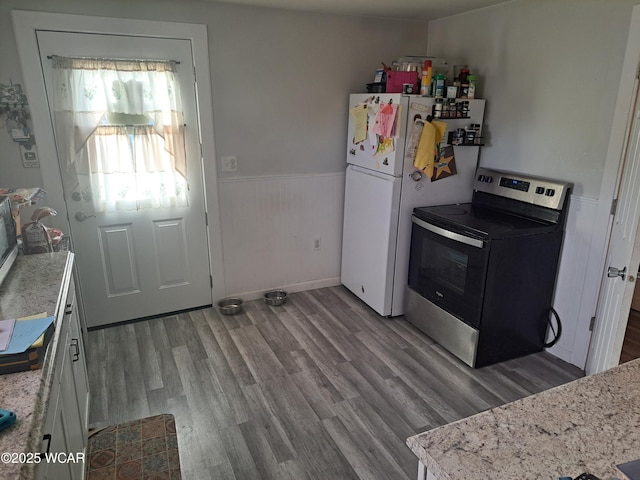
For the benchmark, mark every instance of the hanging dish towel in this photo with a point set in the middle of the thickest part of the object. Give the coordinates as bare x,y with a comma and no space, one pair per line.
428,152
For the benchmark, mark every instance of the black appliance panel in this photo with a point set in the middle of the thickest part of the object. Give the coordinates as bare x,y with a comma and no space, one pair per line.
518,294
449,273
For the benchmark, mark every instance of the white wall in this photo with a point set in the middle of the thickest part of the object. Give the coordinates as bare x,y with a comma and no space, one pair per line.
280,78
280,85
12,173
290,213
550,72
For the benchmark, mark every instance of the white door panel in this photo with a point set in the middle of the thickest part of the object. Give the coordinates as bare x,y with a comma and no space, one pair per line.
172,259
133,264
118,259
623,252
369,236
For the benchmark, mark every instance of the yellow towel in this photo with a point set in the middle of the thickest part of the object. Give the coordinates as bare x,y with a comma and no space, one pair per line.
428,151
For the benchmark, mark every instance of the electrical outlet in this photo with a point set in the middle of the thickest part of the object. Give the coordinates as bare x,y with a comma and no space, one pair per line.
229,163
317,243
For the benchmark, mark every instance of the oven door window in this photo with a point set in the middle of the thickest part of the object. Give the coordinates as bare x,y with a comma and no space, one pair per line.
449,273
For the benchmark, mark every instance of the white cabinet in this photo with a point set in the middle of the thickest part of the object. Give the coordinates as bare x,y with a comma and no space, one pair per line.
78,360
65,430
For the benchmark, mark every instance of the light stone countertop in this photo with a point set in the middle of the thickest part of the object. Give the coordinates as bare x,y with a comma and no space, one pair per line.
588,425
35,284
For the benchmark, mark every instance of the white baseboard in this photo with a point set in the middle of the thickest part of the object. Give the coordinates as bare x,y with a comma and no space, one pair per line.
296,287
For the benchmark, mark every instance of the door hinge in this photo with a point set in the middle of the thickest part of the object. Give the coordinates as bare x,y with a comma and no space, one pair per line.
211,280
614,206
592,323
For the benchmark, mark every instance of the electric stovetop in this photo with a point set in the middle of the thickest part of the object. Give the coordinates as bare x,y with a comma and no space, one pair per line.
481,222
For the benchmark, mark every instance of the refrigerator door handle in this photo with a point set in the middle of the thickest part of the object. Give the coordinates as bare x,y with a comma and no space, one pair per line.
416,176
372,173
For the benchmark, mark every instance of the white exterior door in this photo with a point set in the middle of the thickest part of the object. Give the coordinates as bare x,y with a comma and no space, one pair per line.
139,263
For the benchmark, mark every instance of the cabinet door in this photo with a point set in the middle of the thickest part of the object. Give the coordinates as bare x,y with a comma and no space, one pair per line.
67,418
78,360
55,439
71,419
58,444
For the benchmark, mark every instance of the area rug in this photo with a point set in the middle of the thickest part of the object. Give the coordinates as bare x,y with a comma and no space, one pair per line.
145,449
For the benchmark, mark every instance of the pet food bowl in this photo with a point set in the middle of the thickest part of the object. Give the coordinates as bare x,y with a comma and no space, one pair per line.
275,297
230,306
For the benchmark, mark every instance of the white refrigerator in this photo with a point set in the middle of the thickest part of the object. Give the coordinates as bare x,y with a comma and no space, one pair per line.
382,188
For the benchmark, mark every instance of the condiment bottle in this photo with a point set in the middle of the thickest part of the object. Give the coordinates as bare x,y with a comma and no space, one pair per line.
464,83
425,81
464,90
451,108
477,140
438,85
472,87
470,135
456,83
437,108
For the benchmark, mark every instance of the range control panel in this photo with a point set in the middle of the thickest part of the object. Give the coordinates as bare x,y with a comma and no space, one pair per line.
517,186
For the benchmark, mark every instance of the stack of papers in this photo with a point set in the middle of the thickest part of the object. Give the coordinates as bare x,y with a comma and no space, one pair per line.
6,330
25,333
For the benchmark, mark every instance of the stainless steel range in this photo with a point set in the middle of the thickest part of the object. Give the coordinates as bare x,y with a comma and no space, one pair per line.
482,274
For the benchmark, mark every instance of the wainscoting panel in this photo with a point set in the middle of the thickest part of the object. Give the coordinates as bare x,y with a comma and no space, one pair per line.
575,298
281,232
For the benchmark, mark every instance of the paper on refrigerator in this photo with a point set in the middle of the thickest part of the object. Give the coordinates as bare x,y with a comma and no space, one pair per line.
360,116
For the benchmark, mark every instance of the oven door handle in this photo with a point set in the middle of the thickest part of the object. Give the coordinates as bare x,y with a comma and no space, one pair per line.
474,242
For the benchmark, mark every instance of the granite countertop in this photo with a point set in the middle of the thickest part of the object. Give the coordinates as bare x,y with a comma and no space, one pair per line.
35,284
588,425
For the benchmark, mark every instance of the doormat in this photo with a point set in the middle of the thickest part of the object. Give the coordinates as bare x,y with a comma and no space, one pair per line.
141,449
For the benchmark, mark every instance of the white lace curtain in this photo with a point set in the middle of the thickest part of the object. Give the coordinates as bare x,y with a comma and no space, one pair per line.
120,167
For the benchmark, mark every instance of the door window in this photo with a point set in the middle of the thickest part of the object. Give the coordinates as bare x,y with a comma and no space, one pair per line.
120,130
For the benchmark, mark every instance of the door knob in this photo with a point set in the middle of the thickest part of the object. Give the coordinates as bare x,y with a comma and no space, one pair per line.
613,272
81,217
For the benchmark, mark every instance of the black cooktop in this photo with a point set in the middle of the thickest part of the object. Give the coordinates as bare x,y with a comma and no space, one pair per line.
482,222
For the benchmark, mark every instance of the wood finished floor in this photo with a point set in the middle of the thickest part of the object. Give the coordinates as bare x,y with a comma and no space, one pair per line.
319,388
631,344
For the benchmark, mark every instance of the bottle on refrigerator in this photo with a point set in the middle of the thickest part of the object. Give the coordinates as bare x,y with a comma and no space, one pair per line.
425,81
